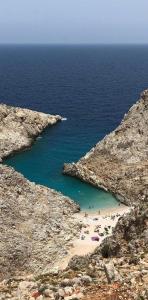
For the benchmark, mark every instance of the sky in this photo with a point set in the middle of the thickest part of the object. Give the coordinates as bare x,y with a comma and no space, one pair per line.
73,21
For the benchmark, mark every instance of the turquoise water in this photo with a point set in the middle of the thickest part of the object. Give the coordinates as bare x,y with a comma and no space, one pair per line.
43,164
92,86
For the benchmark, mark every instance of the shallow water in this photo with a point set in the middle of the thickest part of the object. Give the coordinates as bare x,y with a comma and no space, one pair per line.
91,86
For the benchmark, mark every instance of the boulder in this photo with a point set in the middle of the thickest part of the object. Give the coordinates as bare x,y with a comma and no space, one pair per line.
111,273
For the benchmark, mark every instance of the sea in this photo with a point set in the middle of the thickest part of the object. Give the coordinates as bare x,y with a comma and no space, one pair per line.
91,86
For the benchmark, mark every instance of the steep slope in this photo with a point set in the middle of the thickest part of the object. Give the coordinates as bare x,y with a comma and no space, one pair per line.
36,223
119,163
130,236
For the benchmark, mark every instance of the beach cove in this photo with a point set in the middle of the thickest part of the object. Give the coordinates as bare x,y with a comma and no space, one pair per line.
96,226
56,229
19,130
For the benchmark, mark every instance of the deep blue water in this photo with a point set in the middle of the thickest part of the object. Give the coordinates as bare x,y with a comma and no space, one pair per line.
92,86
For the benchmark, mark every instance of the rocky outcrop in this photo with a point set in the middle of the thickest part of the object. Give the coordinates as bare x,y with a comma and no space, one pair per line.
34,225
119,163
36,222
130,236
19,128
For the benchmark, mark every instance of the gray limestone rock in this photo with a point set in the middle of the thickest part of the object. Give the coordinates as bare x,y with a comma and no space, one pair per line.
78,262
111,273
119,163
34,219
19,127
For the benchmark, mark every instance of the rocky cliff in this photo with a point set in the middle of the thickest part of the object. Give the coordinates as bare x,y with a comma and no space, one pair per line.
36,223
119,163
19,127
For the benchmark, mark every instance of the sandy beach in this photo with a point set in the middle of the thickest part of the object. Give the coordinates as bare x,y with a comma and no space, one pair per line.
95,225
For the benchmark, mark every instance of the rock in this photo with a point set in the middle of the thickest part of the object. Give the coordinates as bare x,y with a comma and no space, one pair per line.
68,290
78,262
48,293
28,235
19,127
54,271
28,238
61,292
76,281
66,282
56,296
111,273
86,279
119,163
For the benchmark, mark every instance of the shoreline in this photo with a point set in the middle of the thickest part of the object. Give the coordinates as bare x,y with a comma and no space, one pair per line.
104,211
94,225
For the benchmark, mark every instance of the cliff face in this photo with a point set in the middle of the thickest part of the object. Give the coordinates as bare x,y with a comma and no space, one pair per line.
19,127
36,223
119,163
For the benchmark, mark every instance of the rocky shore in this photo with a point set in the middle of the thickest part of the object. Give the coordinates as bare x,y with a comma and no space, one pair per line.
119,163
19,128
